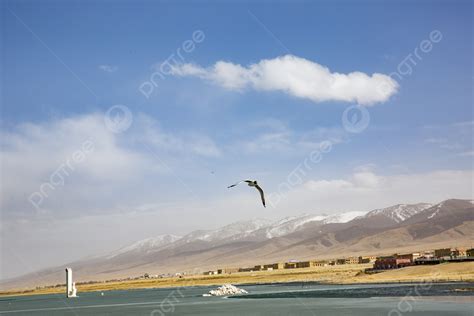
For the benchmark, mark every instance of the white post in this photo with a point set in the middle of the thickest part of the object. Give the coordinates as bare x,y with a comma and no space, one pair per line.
70,286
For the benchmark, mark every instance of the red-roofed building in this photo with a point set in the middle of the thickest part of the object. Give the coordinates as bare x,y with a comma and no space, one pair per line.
384,263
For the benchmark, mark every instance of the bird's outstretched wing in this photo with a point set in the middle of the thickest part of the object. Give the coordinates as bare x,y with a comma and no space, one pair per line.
262,195
235,184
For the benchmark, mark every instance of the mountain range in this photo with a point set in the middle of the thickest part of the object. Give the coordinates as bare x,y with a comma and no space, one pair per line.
398,228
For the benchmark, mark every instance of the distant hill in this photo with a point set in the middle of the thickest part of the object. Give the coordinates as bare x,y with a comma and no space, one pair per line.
398,228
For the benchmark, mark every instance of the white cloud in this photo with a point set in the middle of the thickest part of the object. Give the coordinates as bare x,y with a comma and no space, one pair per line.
366,179
265,142
328,185
368,167
275,136
189,143
108,68
108,175
31,153
298,77
359,180
367,190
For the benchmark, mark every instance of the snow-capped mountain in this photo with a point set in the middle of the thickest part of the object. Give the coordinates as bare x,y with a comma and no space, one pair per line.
146,245
343,218
290,224
255,229
443,209
261,229
436,210
400,212
232,231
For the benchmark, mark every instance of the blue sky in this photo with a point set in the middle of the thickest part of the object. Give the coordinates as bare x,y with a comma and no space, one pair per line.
64,64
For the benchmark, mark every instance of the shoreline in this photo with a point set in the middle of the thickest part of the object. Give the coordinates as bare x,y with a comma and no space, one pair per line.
334,275
34,293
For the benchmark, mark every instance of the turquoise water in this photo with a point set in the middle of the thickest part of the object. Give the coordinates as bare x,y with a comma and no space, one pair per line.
288,299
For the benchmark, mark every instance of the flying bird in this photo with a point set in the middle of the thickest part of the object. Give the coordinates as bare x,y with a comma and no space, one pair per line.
252,183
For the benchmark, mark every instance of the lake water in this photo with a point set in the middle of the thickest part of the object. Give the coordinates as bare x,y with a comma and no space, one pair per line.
276,299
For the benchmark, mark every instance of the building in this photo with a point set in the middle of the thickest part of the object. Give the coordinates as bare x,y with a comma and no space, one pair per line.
443,252
450,252
259,268
71,290
368,259
428,254
383,263
227,270
455,252
290,265
410,256
210,273
303,264
274,266
341,261
351,260
470,252
246,269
